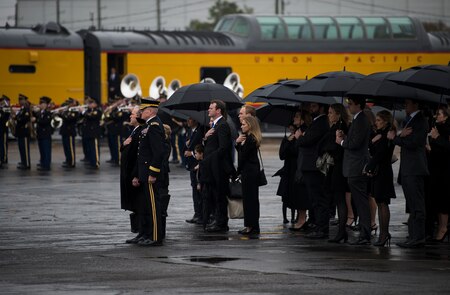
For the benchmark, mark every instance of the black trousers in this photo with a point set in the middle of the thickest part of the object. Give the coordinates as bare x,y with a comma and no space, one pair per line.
45,151
114,144
93,151
150,205
413,189
4,146
68,142
24,150
314,183
250,201
196,196
360,197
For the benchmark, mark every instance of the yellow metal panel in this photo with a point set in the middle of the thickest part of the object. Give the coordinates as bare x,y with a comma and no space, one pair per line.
34,56
257,69
59,74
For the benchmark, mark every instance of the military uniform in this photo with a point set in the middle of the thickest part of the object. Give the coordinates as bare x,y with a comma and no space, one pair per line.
4,117
23,121
150,161
44,132
68,133
91,135
113,128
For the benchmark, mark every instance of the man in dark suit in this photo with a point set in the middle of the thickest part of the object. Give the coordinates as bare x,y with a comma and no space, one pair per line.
308,142
413,169
356,156
150,168
195,136
113,84
218,156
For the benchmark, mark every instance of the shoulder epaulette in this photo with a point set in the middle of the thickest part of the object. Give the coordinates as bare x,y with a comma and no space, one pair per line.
154,123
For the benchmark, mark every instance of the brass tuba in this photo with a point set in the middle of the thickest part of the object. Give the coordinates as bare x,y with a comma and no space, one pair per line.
157,87
174,85
130,87
232,81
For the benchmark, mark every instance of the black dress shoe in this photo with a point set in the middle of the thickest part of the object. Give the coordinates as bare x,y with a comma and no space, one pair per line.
149,243
135,240
243,231
41,168
192,220
301,228
412,244
217,229
318,235
23,167
361,242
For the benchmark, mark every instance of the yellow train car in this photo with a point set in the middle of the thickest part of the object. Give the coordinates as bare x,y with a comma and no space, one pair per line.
264,49
45,60
50,60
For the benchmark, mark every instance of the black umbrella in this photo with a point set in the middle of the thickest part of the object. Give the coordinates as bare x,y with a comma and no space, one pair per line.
278,114
379,89
279,92
435,78
330,84
198,97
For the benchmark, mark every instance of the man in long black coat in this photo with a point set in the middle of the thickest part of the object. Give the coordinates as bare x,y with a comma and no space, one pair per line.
413,169
308,142
217,154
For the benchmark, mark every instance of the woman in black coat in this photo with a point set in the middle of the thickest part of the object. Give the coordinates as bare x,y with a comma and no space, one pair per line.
440,171
291,188
379,169
335,183
128,168
247,146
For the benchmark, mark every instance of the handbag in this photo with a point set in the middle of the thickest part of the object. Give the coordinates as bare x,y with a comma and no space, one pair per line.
262,180
324,162
235,186
235,208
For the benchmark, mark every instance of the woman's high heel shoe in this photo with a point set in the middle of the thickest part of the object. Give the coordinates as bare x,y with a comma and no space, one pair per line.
352,223
339,237
441,240
381,243
374,228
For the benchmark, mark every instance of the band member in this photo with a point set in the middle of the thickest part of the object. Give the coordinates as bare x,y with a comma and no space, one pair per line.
23,134
68,132
128,166
5,113
114,119
44,131
91,133
150,162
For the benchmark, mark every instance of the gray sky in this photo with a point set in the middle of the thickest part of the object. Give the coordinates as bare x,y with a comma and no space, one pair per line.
176,14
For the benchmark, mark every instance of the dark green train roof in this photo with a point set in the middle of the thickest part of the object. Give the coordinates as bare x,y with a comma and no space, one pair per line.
49,36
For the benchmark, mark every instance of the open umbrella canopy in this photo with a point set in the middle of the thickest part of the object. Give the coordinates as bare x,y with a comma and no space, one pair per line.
435,78
278,114
279,92
330,84
198,97
379,88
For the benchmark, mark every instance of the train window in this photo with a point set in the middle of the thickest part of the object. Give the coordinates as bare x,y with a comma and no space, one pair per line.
298,28
376,28
241,27
324,28
22,69
350,27
402,27
224,25
271,27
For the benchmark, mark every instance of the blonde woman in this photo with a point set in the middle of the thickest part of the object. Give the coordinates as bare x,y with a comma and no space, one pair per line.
247,145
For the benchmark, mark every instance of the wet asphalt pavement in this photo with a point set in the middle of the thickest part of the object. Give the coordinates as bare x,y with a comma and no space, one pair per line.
63,232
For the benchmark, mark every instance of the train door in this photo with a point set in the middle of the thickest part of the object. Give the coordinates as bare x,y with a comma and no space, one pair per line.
217,73
116,61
